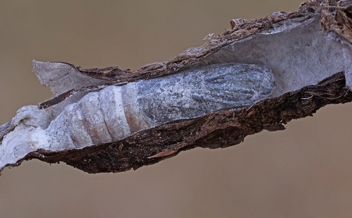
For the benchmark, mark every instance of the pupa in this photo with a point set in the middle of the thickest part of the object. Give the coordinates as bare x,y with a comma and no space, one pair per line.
116,112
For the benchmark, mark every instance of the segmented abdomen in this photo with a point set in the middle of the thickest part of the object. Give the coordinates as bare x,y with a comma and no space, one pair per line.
99,117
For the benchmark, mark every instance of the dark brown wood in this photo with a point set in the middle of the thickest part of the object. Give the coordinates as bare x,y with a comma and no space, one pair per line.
223,128
217,130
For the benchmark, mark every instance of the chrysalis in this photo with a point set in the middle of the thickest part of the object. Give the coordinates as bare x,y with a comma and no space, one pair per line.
116,112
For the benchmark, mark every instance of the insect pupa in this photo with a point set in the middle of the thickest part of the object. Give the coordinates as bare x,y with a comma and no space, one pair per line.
116,112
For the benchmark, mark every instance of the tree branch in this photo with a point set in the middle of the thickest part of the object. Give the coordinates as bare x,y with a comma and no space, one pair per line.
308,52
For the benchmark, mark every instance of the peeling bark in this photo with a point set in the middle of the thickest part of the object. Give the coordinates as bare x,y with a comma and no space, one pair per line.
309,52
217,130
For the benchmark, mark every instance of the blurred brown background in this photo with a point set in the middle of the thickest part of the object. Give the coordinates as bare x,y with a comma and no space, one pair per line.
304,171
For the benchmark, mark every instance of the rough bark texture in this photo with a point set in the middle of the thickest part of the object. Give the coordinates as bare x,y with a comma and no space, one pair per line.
330,20
217,130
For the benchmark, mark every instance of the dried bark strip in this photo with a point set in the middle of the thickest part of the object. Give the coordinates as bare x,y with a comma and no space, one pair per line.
301,47
217,130
334,17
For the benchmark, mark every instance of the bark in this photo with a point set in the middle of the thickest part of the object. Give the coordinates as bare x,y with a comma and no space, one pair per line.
308,51
217,130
